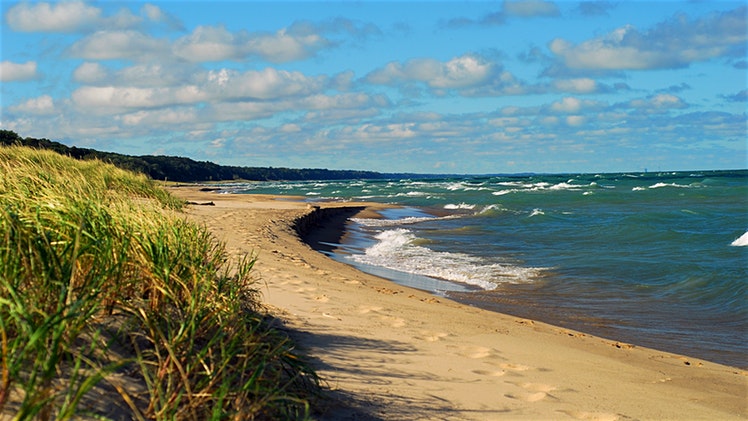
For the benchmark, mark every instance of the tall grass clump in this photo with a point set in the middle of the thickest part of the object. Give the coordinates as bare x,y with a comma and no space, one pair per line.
113,305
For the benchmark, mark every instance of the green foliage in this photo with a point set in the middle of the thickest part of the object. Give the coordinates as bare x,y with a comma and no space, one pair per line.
185,169
100,276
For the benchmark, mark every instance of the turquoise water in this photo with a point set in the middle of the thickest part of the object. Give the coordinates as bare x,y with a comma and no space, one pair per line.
657,260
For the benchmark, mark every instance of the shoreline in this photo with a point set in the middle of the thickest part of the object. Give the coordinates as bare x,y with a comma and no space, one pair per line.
514,300
388,351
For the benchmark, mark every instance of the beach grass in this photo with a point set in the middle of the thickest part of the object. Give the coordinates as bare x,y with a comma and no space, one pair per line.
106,288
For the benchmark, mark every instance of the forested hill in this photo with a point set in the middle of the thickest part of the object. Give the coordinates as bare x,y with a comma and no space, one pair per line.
188,170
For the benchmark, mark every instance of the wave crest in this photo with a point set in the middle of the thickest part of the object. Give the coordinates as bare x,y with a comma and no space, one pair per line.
399,249
741,241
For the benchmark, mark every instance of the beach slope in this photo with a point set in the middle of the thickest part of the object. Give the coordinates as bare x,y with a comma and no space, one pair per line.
389,352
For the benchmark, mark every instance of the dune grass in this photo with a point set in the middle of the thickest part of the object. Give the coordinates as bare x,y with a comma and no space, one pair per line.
112,304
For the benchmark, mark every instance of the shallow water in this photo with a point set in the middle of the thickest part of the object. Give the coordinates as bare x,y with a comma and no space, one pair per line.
651,259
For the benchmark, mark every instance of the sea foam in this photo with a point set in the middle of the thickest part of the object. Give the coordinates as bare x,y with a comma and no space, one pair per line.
741,241
397,249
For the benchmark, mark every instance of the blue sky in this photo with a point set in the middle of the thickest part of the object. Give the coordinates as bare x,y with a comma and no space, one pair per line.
421,86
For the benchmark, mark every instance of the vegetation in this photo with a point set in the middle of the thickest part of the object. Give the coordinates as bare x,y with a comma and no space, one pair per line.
185,169
107,291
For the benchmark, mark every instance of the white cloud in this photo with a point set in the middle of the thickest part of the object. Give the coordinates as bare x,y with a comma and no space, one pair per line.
68,16
578,85
18,72
102,98
151,86
459,72
269,83
119,44
289,128
283,47
216,43
160,118
658,103
572,105
575,120
468,74
671,44
90,73
77,16
43,105
155,14
207,43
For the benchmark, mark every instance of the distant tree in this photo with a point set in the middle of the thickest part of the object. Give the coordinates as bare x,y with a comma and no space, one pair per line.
173,168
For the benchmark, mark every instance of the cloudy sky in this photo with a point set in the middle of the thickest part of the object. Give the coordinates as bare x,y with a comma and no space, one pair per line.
419,86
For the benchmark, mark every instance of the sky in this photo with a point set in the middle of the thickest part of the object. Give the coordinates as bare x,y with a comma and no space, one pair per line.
468,87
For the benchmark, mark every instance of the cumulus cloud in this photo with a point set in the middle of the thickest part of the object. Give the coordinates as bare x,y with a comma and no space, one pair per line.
468,75
579,85
657,103
77,16
119,44
283,46
210,86
299,41
163,119
52,17
216,43
90,73
43,105
573,105
18,72
155,14
675,43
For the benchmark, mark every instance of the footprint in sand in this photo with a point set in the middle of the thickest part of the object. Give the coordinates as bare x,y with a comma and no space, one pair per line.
527,396
533,392
677,360
393,321
368,309
535,387
592,416
475,352
493,373
431,336
514,367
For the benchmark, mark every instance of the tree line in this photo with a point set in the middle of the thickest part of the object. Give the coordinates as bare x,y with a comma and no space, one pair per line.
186,170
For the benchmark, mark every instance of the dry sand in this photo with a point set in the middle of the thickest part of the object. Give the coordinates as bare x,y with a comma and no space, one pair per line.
389,352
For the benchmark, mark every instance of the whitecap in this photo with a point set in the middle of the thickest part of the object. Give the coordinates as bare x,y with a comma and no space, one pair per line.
373,222
536,212
490,208
660,185
563,186
459,206
398,249
741,241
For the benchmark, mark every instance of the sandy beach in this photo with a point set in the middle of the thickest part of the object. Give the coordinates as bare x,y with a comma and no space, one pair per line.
385,351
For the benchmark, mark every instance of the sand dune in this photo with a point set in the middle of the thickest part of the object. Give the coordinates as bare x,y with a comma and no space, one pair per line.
389,352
